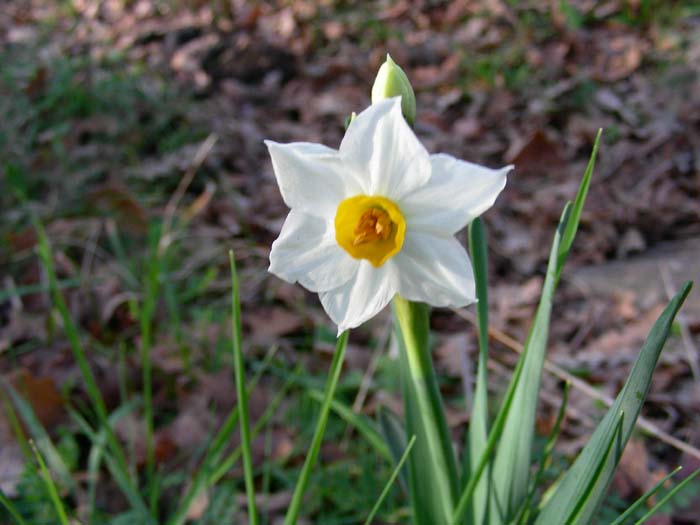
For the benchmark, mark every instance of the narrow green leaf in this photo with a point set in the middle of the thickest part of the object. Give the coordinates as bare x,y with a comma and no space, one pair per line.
395,438
391,480
477,434
572,225
98,451
621,519
511,465
202,478
28,289
527,508
612,449
146,314
512,462
359,422
297,496
117,469
227,464
629,401
40,437
50,487
667,497
465,499
432,466
14,513
94,394
242,403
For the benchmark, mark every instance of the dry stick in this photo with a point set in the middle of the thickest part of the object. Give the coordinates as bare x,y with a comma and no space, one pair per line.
179,192
584,387
372,368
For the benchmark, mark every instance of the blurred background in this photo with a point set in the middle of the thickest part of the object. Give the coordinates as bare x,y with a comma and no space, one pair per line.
134,128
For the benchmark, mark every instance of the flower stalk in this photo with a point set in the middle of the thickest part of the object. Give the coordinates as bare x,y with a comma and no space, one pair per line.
432,466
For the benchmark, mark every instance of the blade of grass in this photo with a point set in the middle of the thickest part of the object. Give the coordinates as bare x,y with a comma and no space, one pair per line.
395,437
9,506
71,331
391,480
122,477
146,314
312,454
621,519
50,486
98,451
28,289
358,422
667,497
244,418
201,479
477,434
227,464
40,437
17,429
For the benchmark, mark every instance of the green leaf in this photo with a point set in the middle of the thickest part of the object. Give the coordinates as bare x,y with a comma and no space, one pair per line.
297,496
512,463
648,494
527,507
584,485
7,503
391,480
241,393
432,466
567,238
50,487
477,434
667,497
40,437
466,498
395,438
359,422
513,459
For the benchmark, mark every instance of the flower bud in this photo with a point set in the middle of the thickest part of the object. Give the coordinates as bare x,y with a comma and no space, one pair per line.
391,82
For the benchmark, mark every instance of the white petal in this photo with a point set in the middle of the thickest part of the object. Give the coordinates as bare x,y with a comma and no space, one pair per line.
385,152
435,270
306,251
362,297
311,177
456,193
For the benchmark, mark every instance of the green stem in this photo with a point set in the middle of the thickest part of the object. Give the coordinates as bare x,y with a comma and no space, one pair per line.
432,466
332,383
244,418
146,324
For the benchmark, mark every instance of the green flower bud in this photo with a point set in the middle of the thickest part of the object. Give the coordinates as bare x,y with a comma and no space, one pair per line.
391,82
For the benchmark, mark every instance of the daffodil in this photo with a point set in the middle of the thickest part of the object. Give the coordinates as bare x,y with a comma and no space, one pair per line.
378,217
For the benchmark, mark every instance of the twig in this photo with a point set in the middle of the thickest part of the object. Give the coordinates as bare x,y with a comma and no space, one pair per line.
179,192
584,387
371,369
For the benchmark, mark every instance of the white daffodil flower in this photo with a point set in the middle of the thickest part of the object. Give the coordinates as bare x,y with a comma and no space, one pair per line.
378,217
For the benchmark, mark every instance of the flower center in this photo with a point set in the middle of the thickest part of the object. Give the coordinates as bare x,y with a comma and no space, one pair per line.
371,228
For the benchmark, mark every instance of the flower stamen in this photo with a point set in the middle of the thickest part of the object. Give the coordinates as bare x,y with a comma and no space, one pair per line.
374,225
370,227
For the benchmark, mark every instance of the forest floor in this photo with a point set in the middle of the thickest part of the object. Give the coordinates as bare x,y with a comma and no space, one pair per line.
120,115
